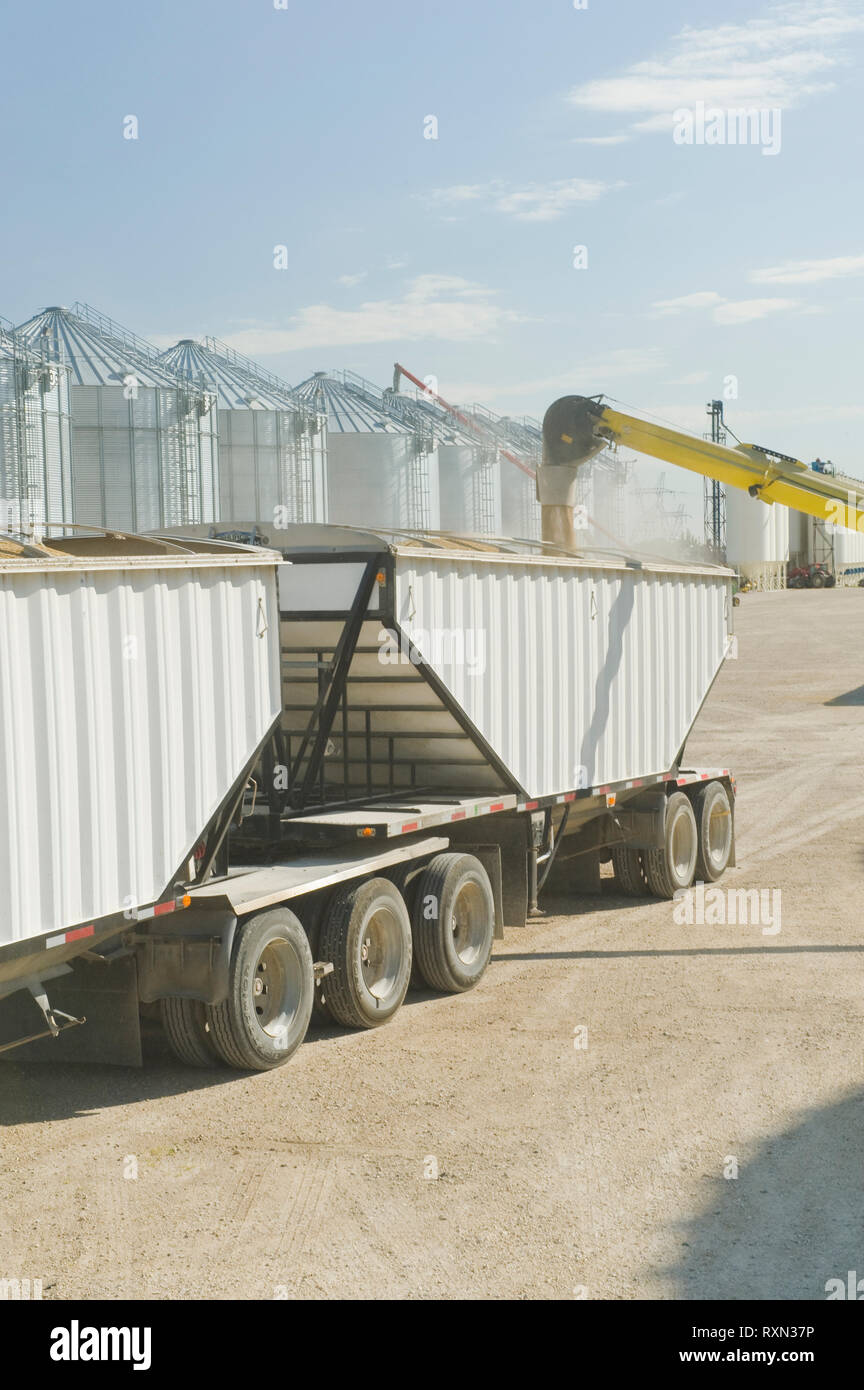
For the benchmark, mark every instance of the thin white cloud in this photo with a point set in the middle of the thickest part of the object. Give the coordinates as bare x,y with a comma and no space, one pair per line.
724,311
789,53
748,310
809,272
350,280
602,139
445,307
701,299
535,202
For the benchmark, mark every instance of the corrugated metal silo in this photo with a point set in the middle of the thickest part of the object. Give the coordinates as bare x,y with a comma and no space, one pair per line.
382,469
520,510
757,543
272,447
469,470
144,441
35,436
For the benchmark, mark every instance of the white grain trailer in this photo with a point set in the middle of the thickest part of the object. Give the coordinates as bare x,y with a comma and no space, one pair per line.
459,721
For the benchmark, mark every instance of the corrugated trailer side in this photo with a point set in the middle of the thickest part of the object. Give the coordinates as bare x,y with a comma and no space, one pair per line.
135,689
575,671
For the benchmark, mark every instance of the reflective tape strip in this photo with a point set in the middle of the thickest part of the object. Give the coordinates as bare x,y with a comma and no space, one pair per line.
77,934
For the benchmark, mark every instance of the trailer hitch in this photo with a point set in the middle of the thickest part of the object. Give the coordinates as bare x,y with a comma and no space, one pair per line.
58,1021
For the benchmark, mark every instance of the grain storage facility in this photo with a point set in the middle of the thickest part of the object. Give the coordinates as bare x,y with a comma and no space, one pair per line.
144,441
382,466
520,510
35,436
272,446
469,469
838,548
757,540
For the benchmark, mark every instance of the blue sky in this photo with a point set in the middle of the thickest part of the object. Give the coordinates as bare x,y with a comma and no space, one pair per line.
304,127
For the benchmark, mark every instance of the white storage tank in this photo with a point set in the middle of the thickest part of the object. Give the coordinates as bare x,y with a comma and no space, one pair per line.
144,441
520,510
469,469
519,506
756,542
781,533
381,470
35,436
848,555
470,485
272,447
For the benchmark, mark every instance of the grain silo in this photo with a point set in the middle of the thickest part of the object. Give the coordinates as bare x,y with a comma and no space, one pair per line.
520,510
838,548
757,542
469,469
848,556
144,441
382,469
35,436
272,447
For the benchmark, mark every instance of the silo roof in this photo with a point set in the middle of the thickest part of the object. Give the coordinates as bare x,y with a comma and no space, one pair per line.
239,383
98,351
349,409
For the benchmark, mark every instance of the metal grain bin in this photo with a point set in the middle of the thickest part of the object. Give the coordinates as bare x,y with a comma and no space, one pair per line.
35,436
137,681
272,447
144,441
382,468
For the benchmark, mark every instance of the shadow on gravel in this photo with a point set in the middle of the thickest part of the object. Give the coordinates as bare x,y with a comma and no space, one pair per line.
35,1092
852,697
790,1221
650,952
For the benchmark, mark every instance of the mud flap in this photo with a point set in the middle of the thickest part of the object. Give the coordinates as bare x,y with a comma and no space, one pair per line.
104,992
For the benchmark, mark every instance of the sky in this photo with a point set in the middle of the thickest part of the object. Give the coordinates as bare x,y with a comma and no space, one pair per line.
341,185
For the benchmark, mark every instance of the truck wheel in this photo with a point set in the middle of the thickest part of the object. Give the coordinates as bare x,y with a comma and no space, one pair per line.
271,986
714,823
399,876
367,937
453,922
673,867
629,871
188,1034
817,581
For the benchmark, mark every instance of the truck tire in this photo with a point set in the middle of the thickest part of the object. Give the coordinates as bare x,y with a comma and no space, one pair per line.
817,581
673,867
399,877
366,936
187,1031
714,825
271,986
453,923
629,870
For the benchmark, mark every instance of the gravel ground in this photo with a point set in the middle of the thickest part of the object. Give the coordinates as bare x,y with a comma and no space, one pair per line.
606,1171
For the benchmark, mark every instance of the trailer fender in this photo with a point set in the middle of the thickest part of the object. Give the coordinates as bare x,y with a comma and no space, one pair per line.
189,959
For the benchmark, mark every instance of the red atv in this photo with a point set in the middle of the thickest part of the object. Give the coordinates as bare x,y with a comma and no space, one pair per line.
810,577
